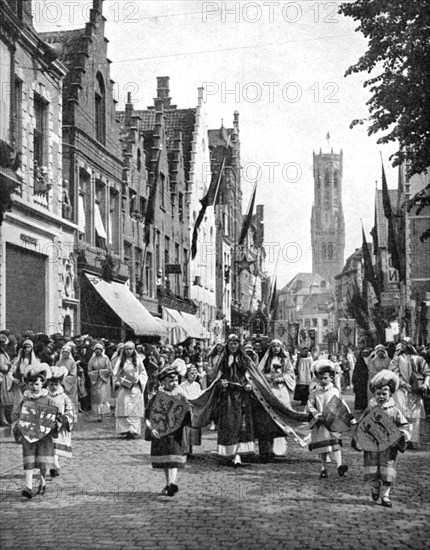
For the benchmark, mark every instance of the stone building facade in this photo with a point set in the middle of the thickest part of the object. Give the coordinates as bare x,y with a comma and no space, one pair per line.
327,222
37,258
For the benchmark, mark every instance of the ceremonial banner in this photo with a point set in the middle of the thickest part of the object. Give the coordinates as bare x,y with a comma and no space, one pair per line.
167,413
36,420
336,416
377,431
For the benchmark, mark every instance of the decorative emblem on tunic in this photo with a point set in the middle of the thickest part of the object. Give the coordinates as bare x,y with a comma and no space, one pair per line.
36,420
168,413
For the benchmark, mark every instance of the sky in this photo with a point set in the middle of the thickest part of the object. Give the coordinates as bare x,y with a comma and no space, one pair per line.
281,65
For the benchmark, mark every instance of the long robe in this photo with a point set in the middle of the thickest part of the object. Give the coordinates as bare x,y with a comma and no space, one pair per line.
244,416
99,370
406,399
130,408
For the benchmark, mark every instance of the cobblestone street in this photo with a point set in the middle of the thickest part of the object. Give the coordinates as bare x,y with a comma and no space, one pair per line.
108,496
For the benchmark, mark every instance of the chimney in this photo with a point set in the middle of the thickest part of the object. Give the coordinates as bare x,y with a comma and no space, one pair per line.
163,91
128,110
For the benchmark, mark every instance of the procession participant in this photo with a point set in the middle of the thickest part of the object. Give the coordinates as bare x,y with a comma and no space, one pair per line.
192,390
99,371
242,402
414,375
249,350
324,441
378,360
168,451
130,379
303,376
63,442
39,453
213,359
151,366
360,380
380,466
6,382
70,381
279,373
24,358
258,348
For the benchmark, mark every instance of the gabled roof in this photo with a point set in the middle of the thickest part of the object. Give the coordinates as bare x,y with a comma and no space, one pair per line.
381,220
175,119
303,279
316,303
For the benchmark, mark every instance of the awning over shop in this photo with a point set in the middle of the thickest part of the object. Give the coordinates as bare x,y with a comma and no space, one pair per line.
187,326
127,307
193,326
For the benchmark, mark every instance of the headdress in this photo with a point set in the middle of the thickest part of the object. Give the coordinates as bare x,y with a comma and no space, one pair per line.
59,372
232,337
39,369
28,343
99,346
177,367
323,365
66,348
385,377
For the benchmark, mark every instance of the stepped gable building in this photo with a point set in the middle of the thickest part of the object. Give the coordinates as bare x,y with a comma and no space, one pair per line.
327,222
37,260
174,145
98,187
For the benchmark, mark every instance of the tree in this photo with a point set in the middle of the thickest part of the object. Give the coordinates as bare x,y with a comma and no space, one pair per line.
398,57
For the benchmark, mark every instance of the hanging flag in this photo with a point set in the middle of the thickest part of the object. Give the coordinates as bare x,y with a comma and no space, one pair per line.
248,218
369,273
273,301
374,234
208,200
150,210
392,238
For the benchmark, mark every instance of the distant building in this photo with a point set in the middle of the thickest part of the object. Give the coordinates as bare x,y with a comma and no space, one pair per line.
327,222
37,259
224,145
305,312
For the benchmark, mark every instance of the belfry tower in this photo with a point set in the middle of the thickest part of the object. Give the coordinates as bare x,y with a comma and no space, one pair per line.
327,223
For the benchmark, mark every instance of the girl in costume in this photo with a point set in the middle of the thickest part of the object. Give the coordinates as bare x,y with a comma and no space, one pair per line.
279,373
99,370
192,390
38,454
63,443
324,441
380,466
168,452
70,381
130,408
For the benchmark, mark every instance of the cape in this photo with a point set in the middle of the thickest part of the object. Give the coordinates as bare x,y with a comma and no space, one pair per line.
274,418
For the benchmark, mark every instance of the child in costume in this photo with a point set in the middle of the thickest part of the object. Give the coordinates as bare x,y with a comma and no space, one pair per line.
380,466
168,452
63,443
324,441
192,390
38,454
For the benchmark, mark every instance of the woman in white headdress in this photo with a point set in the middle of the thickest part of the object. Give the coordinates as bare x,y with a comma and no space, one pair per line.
99,371
130,378
70,381
414,374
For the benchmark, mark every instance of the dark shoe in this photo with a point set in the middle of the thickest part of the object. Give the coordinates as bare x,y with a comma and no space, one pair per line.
343,468
28,493
41,490
172,489
55,472
375,493
323,474
165,489
386,502
130,435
